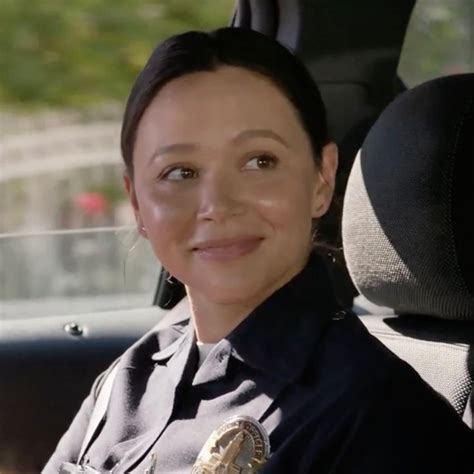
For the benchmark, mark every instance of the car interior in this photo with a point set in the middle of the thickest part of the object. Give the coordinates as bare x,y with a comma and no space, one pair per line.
407,240
405,188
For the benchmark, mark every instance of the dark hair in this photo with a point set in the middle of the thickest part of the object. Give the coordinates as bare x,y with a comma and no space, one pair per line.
199,51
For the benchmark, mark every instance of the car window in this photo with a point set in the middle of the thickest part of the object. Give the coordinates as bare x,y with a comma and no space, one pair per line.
439,41
67,238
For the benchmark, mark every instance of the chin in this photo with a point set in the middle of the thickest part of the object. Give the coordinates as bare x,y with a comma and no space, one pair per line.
247,280
231,293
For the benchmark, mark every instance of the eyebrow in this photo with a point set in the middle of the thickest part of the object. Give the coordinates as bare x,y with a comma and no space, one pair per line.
259,132
174,147
240,137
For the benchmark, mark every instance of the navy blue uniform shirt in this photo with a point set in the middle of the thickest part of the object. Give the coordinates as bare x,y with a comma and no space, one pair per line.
332,398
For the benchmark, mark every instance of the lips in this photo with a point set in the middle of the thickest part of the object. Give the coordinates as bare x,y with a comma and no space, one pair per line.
227,249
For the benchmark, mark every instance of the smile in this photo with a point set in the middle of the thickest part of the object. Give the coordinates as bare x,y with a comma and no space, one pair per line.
227,249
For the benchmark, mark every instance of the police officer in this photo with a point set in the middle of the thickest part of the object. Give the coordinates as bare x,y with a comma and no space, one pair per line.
229,168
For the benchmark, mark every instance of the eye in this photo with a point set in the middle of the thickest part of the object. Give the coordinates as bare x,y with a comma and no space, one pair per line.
179,173
259,162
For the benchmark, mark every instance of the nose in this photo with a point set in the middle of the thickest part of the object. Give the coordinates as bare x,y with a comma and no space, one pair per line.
219,198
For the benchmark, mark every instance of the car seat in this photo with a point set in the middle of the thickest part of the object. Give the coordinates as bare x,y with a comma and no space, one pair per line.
408,233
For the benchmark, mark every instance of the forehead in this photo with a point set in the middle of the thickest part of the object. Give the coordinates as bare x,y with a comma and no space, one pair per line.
200,104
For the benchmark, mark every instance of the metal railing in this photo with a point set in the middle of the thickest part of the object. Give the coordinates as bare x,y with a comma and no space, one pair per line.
60,148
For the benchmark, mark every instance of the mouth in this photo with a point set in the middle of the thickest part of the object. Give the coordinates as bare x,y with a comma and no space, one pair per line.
222,250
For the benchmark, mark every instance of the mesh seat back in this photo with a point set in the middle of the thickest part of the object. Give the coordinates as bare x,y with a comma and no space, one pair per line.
442,352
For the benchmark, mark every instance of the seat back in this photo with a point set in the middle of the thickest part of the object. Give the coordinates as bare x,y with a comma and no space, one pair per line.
441,352
408,233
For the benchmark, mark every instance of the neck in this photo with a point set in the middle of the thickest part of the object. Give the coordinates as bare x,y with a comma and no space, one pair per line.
214,320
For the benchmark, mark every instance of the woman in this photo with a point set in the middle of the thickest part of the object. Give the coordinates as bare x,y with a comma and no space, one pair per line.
229,168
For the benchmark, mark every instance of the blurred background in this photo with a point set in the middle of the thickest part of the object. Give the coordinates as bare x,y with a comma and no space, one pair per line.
67,242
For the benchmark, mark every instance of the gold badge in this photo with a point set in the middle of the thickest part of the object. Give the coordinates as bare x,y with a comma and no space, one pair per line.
239,446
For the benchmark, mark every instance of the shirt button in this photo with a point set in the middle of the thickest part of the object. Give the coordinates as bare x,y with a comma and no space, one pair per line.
340,315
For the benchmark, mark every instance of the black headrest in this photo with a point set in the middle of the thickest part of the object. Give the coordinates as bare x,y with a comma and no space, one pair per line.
408,219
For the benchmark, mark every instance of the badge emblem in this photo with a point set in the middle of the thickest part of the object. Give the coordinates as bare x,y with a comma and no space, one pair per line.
239,446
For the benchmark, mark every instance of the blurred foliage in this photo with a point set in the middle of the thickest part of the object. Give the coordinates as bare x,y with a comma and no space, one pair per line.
80,53
439,41
111,190
83,53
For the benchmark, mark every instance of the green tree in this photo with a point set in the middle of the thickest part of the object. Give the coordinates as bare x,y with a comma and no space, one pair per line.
81,53
439,41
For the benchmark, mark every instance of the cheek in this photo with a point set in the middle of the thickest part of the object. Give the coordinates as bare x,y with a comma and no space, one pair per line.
286,205
168,220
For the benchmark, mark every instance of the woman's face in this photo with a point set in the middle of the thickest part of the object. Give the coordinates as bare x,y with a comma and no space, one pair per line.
225,186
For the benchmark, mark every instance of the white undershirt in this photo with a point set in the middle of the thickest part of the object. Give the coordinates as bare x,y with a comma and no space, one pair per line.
204,348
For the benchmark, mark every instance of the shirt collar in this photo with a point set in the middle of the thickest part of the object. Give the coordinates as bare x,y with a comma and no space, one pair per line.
170,333
279,335
180,356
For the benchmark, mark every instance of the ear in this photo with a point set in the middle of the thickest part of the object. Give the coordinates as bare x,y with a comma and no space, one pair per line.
325,180
129,187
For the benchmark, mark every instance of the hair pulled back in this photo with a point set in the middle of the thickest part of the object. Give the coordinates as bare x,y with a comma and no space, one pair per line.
197,51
